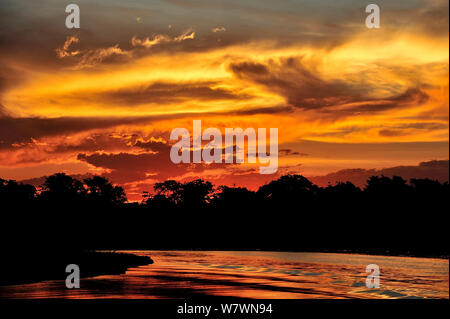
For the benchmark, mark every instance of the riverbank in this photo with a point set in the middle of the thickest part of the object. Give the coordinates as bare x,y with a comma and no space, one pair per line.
27,267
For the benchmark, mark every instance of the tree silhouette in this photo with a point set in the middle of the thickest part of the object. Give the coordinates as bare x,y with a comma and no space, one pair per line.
227,197
428,186
189,194
196,194
382,185
159,203
170,189
15,193
340,193
101,191
289,188
61,188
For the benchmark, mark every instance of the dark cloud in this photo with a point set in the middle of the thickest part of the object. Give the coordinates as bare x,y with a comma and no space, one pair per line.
305,90
9,77
3,111
154,146
391,133
95,142
411,97
436,170
260,110
164,93
434,19
411,128
301,88
23,130
129,167
430,18
289,152
15,130
249,69
154,163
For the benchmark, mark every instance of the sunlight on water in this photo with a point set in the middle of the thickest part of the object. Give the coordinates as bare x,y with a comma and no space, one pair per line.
266,275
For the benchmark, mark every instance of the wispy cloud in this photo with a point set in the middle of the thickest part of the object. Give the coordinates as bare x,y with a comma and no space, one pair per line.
88,58
162,38
63,51
186,35
93,57
148,43
219,29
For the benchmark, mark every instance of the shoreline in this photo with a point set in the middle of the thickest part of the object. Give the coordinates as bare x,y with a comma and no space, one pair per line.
25,270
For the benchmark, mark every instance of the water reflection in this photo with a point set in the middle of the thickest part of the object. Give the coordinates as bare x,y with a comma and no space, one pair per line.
265,275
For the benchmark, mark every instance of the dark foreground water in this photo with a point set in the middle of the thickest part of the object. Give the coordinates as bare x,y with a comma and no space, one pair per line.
265,275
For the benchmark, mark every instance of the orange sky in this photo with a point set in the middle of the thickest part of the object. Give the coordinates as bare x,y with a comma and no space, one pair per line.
103,99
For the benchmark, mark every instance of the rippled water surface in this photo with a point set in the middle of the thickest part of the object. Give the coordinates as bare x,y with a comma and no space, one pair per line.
267,275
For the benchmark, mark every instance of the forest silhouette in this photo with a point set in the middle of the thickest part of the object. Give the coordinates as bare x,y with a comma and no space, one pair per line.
388,216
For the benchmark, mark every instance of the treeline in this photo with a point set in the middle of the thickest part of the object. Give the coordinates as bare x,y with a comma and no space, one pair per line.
63,189
199,194
389,215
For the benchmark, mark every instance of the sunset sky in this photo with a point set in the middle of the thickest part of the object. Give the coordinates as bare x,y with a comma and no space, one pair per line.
104,98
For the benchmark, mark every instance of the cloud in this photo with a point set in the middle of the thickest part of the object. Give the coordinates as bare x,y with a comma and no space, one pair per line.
94,142
186,35
430,18
88,58
162,38
411,97
23,130
298,85
155,163
64,52
411,128
154,145
391,133
260,110
436,170
94,57
304,89
164,93
289,152
3,111
219,29
148,43
130,167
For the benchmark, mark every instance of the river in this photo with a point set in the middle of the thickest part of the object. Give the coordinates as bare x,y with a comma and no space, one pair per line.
261,275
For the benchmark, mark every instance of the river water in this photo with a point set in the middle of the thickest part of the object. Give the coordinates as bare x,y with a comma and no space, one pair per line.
261,275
